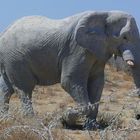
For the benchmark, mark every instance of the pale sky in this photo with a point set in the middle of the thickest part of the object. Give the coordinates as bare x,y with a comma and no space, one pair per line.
11,10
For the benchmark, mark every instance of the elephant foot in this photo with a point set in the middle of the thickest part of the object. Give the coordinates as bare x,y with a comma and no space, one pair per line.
75,116
138,92
4,109
27,112
135,92
91,125
70,116
27,109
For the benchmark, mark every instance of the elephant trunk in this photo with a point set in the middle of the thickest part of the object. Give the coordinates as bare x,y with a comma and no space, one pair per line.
136,77
128,57
132,56
136,68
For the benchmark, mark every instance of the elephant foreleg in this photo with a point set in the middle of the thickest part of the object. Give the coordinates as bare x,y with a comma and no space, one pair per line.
78,92
74,81
95,87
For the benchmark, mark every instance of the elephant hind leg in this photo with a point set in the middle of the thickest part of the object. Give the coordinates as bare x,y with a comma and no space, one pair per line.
26,103
6,91
25,82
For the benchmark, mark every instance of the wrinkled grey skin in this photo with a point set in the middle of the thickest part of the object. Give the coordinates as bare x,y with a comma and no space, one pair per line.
73,51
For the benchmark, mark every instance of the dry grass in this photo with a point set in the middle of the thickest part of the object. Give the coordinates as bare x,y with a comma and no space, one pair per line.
117,114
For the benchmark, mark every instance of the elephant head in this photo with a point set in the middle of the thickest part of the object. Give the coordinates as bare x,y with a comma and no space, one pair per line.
124,34
107,33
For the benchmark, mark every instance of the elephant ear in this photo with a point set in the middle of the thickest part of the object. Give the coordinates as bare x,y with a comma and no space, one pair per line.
90,33
116,24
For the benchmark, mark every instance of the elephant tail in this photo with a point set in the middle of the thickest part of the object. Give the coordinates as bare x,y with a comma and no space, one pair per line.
2,69
4,80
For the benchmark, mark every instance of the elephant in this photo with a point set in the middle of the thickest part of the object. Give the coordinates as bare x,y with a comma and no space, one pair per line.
73,51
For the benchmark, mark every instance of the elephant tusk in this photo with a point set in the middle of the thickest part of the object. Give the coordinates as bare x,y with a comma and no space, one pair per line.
130,63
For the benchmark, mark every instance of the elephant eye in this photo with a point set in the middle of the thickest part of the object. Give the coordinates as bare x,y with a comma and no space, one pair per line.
125,38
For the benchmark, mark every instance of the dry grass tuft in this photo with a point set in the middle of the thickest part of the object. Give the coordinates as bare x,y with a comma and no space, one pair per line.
22,133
